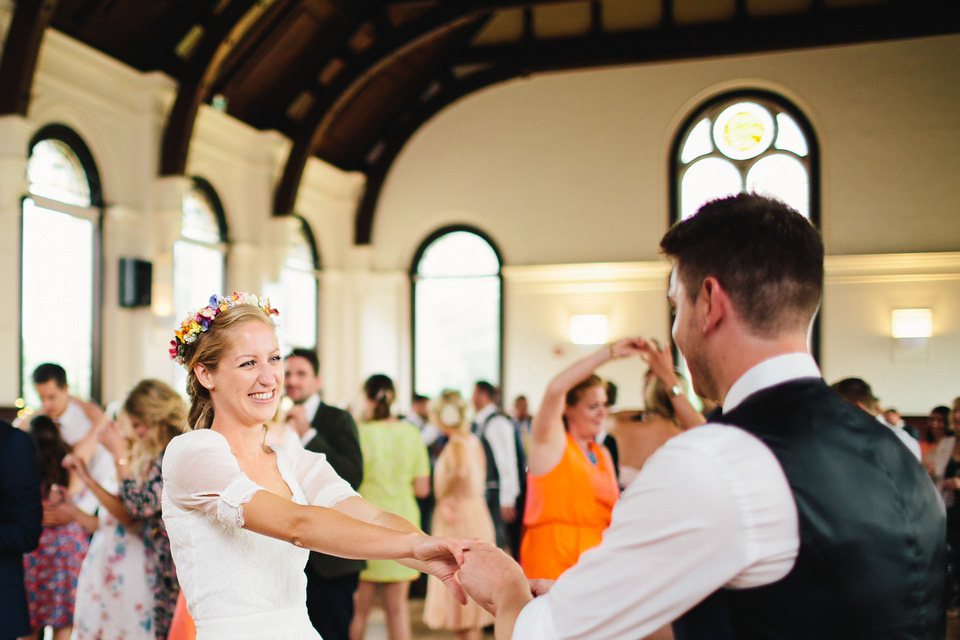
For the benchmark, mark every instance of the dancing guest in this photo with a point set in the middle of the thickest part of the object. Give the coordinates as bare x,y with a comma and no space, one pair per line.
241,516
935,454
396,471
461,512
52,570
156,414
115,596
572,484
640,433
76,418
321,428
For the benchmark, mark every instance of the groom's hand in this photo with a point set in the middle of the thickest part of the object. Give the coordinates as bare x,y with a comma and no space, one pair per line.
493,579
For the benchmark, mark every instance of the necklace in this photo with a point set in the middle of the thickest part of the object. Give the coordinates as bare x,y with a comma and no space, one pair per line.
591,456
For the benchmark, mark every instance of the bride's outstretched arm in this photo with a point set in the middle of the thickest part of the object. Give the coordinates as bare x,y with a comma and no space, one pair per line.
354,528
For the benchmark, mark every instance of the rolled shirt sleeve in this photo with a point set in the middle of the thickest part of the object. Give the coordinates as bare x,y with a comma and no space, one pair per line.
710,509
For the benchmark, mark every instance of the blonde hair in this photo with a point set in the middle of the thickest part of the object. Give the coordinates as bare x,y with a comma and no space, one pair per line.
449,411
207,350
656,398
162,411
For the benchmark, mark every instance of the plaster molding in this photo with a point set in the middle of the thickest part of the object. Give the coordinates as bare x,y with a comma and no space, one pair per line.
892,267
603,277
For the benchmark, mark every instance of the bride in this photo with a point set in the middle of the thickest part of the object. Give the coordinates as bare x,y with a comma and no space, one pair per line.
242,516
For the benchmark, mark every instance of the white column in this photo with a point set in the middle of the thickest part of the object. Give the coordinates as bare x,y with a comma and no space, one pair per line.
15,133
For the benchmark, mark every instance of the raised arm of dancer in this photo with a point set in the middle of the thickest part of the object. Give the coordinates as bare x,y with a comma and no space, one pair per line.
660,361
547,439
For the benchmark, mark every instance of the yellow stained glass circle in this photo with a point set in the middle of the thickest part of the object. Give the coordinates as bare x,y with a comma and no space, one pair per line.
743,130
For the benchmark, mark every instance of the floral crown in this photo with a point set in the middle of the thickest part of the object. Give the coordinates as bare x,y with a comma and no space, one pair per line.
199,321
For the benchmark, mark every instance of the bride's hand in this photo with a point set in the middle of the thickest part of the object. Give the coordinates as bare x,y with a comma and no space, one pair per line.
442,558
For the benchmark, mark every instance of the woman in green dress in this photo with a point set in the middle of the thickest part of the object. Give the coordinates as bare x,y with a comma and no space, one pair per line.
396,472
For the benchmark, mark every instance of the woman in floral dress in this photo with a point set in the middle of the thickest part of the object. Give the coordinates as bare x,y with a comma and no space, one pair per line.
51,571
135,553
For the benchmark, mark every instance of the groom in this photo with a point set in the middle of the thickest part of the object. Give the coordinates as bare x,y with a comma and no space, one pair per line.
790,515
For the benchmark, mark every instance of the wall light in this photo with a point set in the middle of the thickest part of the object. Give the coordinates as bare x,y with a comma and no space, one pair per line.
589,328
911,323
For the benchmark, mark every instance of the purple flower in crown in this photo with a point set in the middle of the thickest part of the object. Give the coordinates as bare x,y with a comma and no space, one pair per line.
199,321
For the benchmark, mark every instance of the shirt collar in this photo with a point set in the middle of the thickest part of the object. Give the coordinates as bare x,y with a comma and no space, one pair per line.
310,406
481,415
769,373
308,436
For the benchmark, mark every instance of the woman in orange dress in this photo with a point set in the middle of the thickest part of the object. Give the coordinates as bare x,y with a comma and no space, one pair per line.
571,484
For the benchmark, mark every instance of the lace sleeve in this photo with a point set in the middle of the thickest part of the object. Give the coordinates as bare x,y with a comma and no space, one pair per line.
320,483
200,473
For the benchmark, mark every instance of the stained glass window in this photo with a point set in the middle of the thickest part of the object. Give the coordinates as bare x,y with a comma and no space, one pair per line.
744,143
749,141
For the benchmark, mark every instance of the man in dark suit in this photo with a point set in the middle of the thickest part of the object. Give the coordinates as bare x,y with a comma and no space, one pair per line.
331,431
20,517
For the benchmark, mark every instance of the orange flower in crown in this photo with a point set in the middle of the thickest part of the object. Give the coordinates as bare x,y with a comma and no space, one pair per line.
199,321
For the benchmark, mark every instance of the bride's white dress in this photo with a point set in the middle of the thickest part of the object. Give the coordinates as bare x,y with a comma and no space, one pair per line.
239,584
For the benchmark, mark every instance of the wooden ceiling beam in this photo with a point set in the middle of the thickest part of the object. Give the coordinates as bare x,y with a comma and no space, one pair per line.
195,86
394,141
348,83
321,55
473,6
736,36
20,52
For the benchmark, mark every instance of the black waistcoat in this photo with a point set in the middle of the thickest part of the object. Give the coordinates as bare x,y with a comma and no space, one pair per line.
871,558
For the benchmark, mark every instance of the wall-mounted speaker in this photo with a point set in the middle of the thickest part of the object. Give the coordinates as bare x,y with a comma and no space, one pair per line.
136,278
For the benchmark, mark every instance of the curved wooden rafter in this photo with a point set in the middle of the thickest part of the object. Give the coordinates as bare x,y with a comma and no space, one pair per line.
347,85
415,118
213,49
20,52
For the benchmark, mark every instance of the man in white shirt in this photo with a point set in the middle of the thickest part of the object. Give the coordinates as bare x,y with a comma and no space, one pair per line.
75,417
789,516
858,393
504,479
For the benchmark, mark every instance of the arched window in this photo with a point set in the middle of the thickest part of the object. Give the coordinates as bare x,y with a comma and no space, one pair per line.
457,312
746,141
199,255
295,295
60,262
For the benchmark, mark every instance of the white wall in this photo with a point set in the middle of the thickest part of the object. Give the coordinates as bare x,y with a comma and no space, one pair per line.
572,168
561,170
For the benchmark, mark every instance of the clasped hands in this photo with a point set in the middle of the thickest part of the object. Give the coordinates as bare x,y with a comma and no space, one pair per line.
480,570
655,356
494,579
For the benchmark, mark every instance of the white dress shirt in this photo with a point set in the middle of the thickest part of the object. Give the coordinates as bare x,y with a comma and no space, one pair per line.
908,440
499,432
711,508
74,422
310,406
